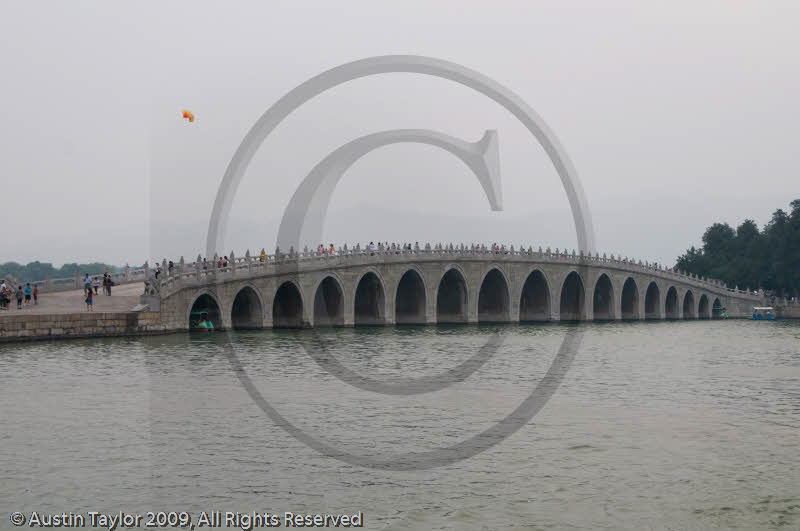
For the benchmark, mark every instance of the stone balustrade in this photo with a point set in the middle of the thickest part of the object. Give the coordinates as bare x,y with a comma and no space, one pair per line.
127,276
252,265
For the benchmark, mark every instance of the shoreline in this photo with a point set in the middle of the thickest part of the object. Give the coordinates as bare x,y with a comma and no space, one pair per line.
99,325
23,327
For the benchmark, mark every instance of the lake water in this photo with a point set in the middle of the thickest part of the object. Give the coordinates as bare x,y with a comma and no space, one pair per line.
669,425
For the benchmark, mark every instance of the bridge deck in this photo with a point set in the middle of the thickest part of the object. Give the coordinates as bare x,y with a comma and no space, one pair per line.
123,299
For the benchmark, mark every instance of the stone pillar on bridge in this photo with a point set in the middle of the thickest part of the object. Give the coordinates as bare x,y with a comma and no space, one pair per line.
555,296
515,279
473,280
641,286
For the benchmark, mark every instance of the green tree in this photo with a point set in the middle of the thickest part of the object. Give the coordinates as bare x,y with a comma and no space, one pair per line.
747,257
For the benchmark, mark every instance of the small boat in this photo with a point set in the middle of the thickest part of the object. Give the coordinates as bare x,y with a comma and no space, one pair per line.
199,322
763,313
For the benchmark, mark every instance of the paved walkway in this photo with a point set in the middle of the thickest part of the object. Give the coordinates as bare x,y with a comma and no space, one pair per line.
123,299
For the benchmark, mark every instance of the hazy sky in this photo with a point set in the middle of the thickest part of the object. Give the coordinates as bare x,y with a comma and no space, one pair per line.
675,114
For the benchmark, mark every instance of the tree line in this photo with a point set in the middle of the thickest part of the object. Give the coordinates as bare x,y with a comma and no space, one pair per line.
34,271
768,259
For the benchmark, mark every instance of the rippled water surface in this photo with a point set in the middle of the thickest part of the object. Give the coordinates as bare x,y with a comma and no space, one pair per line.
673,425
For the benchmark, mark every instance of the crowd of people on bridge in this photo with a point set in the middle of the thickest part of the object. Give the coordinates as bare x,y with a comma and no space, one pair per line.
94,283
27,293
223,262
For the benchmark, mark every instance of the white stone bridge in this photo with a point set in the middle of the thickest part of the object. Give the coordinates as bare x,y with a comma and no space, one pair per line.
443,284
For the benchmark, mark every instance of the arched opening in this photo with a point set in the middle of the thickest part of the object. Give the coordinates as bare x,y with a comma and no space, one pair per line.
652,302
704,312
205,307
451,298
629,302
493,299
534,303
717,310
572,298
671,304
287,308
370,301
688,306
409,303
603,305
329,303
246,311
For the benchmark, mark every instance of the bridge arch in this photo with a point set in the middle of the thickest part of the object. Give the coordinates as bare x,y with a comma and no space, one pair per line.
452,296
652,302
603,299
629,299
689,309
573,298
287,306
704,308
716,309
534,301
329,302
247,308
671,308
369,299
494,300
411,298
205,300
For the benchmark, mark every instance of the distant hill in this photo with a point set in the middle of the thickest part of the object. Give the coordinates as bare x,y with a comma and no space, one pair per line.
39,270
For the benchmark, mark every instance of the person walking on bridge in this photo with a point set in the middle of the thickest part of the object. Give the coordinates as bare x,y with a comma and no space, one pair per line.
28,292
19,297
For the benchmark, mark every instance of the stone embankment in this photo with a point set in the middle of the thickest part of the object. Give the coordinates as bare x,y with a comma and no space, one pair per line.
22,327
63,315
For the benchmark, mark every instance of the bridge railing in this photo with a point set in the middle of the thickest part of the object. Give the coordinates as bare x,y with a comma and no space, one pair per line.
201,271
50,285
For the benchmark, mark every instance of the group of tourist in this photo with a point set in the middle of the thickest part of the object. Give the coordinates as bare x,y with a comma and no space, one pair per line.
91,286
395,247
26,293
94,283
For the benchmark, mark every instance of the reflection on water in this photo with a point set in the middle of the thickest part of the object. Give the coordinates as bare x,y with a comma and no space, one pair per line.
657,425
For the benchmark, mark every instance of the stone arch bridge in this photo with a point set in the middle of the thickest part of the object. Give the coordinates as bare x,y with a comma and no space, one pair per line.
444,284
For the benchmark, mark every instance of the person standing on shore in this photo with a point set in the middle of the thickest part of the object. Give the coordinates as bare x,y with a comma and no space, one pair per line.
36,295
87,283
96,285
5,296
89,301
19,297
